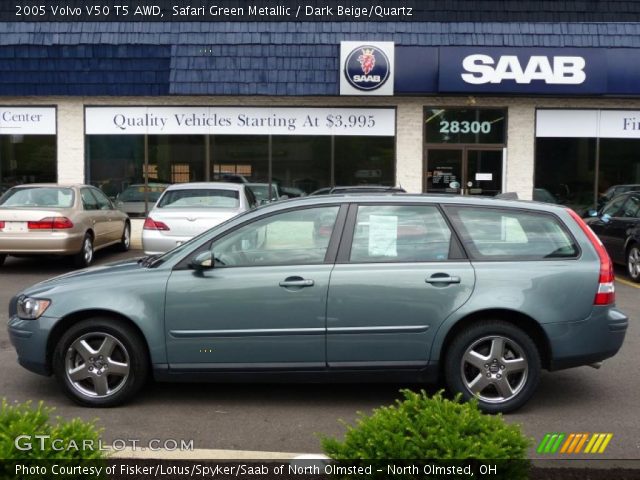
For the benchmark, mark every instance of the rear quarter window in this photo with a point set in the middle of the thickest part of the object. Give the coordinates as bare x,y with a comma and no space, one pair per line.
509,234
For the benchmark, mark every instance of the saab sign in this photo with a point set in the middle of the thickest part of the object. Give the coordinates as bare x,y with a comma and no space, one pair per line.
483,69
522,70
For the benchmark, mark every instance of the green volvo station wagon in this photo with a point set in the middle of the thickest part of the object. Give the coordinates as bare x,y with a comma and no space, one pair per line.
478,293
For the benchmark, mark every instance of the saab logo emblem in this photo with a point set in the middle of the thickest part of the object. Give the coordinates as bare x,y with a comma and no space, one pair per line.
574,443
367,68
559,70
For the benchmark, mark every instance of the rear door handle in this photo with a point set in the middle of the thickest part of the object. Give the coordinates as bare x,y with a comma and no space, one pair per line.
442,278
298,282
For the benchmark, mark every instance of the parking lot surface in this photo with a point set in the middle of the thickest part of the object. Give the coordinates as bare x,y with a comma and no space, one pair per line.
291,418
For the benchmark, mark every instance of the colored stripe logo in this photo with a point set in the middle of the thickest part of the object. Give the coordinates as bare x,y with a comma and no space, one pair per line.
574,443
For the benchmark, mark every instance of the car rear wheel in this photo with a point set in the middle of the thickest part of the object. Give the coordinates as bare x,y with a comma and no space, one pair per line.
633,263
84,257
100,362
125,241
495,362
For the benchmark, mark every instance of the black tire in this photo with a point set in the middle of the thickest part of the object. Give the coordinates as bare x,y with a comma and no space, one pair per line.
125,240
497,358
633,263
3,257
106,376
84,257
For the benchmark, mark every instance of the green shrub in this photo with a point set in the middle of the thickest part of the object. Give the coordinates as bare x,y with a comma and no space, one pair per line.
421,428
72,437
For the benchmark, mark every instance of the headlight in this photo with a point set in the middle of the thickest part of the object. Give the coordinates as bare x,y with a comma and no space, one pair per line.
31,308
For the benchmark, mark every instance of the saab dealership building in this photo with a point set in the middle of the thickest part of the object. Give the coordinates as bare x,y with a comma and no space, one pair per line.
467,98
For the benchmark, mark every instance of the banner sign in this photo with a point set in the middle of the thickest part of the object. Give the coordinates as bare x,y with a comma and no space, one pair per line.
239,121
588,123
27,120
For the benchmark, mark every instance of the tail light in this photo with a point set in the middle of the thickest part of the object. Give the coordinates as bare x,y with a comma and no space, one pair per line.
51,223
151,224
1,224
606,293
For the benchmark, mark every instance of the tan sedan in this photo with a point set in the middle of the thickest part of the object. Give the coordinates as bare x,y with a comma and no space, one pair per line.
60,220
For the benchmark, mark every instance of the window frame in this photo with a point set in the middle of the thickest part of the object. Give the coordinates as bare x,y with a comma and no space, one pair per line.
456,252
475,256
330,254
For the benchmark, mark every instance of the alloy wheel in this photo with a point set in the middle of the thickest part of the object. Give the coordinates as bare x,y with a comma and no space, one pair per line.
97,365
494,369
633,263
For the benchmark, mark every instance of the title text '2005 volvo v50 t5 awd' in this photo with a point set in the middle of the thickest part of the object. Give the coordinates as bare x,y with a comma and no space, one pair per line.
482,292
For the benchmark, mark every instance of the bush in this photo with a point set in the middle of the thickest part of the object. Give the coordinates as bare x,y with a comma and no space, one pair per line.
420,428
18,419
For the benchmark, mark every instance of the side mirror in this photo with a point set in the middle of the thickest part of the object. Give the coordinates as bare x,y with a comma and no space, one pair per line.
593,213
202,261
283,197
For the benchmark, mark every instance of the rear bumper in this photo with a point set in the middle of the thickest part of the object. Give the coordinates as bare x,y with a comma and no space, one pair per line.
592,340
154,242
57,243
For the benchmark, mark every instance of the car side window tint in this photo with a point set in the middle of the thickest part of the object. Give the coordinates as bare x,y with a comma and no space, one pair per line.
89,202
631,209
103,202
400,233
613,207
501,234
288,238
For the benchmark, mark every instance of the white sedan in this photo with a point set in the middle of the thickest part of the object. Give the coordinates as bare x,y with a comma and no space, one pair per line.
187,209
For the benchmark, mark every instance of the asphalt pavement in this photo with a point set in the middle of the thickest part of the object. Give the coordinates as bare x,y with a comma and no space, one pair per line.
292,418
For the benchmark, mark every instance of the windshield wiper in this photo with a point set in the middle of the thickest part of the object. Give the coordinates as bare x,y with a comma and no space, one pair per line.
148,260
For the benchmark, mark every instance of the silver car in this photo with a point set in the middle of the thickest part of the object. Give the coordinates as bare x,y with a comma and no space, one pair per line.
187,209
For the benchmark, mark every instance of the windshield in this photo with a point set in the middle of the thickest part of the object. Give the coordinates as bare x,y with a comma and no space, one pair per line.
135,193
200,198
38,197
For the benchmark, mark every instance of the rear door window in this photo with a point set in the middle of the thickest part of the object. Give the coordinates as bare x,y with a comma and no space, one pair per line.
400,233
509,234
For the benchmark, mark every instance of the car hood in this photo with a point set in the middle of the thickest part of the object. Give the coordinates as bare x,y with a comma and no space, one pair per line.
87,274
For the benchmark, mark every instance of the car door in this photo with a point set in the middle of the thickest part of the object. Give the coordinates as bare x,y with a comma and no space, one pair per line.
400,273
114,221
609,226
97,218
263,305
621,227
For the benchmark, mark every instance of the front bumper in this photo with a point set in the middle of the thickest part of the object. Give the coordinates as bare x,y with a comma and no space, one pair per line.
595,339
29,338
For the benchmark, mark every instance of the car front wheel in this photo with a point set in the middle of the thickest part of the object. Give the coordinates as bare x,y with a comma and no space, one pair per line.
494,362
633,263
100,362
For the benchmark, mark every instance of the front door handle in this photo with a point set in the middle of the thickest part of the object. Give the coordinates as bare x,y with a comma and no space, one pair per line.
442,278
297,282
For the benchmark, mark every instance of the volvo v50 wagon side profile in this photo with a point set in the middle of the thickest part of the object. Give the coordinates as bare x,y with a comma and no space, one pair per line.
479,293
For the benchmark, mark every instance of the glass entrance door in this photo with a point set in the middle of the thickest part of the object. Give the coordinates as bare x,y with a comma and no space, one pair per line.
444,172
466,171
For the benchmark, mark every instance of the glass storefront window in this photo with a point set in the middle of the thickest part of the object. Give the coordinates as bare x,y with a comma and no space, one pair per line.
565,168
465,125
176,158
365,161
239,158
27,159
115,162
619,163
296,165
301,164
